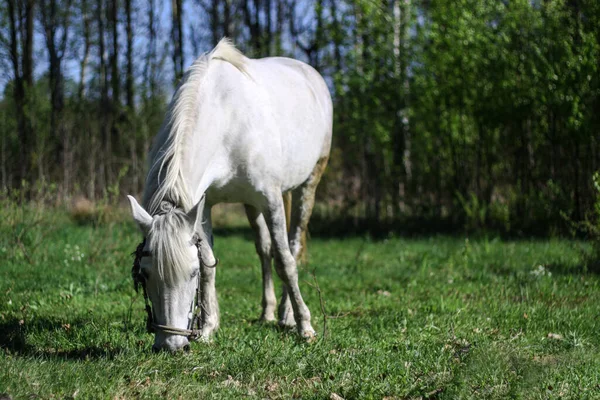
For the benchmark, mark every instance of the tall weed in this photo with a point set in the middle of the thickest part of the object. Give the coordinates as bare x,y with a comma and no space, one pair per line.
590,227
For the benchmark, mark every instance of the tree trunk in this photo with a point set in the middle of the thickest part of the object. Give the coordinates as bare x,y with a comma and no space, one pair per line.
54,19
253,24
3,157
279,28
318,41
86,50
115,100
114,54
177,38
20,15
104,120
129,73
18,91
337,36
84,122
28,79
268,39
130,99
149,72
227,19
214,22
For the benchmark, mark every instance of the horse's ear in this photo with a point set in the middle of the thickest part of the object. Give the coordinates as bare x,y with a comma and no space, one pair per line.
195,218
141,216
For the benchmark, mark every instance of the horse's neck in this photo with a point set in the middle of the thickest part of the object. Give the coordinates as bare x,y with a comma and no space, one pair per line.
192,178
202,151
203,148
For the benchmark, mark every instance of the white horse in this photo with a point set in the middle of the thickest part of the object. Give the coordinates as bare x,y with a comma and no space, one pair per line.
237,130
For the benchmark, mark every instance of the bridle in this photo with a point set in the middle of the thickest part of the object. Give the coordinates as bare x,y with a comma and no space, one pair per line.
193,330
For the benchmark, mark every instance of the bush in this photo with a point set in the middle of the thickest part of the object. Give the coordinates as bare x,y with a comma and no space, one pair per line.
590,227
593,224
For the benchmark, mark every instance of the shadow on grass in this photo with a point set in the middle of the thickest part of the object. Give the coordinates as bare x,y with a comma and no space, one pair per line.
273,326
288,332
13,339
349,227
226,231
342,226
591,267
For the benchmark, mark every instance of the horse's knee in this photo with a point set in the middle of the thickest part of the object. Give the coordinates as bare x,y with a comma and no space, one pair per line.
264,248
295,247
262,244
285,265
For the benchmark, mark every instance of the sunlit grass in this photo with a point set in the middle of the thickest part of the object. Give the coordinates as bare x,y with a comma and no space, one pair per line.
437,317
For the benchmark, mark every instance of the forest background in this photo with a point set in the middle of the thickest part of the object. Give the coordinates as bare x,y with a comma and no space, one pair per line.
476,114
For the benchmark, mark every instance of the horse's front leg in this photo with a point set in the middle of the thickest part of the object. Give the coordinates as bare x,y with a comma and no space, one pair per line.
285,264
262,241
209,313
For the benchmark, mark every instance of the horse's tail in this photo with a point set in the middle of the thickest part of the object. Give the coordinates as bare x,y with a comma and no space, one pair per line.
287,204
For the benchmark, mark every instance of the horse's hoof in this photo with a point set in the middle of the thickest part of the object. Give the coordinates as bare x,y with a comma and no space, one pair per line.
287,324
287,321
205,338
310,335
267,318
207,335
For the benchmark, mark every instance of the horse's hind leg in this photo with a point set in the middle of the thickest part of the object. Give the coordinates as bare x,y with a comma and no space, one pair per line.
285,263
286,312
303,200
262,241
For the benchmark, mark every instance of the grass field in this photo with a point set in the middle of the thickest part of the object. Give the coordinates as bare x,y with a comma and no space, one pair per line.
437,317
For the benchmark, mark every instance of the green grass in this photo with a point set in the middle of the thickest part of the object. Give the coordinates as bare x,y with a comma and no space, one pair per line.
438,317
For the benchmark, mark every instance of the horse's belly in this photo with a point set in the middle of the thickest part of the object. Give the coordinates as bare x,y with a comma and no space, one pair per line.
299,162
236,190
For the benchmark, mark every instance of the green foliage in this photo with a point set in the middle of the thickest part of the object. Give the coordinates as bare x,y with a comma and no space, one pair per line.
113,192
482,113
591,226
498,99
476,214
478,318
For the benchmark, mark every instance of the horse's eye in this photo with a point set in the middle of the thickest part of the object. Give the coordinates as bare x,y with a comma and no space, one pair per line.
195,273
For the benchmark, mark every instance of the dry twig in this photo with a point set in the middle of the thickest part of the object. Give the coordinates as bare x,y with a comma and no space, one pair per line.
321,301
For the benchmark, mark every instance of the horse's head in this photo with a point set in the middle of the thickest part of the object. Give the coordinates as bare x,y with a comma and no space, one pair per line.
169,268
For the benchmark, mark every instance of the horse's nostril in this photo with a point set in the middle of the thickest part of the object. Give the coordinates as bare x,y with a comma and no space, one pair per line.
155,348
186,348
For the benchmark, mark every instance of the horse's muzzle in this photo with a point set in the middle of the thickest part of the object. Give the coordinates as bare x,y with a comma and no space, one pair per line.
172,343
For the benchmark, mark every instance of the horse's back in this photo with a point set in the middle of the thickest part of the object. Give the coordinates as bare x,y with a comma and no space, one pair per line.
300,105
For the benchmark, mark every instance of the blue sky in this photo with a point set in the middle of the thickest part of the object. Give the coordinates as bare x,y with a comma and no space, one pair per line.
195,22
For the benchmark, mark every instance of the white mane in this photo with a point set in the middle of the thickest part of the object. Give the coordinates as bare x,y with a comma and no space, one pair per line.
169,245
165,181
